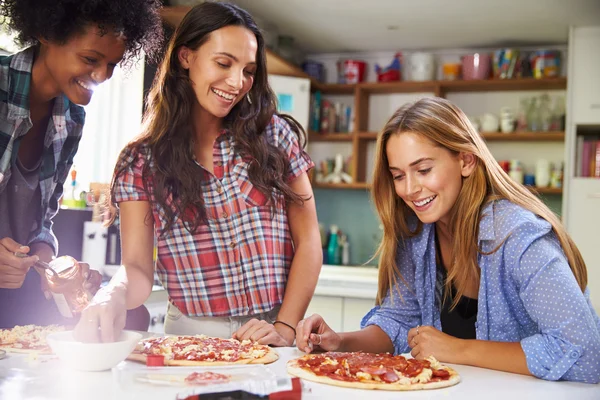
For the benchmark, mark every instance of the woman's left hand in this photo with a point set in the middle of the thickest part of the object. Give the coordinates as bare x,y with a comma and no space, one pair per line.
427,341
93,278
264,333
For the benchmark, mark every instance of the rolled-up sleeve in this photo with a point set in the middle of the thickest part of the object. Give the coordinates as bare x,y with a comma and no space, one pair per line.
568,343
400,311
285,138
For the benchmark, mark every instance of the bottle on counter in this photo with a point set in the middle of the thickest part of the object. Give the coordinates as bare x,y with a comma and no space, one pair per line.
333,249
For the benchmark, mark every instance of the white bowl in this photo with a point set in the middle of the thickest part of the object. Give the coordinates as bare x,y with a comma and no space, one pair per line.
92,356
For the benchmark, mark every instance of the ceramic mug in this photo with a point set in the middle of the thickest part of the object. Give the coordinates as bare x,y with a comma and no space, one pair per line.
421,67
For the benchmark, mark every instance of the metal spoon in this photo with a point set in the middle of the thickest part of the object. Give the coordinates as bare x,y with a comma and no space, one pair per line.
40,264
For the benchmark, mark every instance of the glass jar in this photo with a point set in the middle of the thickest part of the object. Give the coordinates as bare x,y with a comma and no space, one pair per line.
68,289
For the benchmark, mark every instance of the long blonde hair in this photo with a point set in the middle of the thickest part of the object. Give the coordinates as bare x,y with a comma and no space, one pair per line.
447,126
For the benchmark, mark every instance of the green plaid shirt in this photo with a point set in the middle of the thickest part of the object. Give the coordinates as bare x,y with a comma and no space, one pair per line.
62,136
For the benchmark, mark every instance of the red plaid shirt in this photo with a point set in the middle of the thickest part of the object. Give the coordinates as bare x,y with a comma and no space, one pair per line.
238,263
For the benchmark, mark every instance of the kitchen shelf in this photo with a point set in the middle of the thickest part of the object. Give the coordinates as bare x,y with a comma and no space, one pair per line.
551,136
351,186
276,65
367,186
545,190
333,88
524,136
329,137
440,87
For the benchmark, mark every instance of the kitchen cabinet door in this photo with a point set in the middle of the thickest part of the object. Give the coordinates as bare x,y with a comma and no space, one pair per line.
583,224
354,311
330,308
584,75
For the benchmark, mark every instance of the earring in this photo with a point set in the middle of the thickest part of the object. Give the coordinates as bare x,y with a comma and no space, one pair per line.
248,98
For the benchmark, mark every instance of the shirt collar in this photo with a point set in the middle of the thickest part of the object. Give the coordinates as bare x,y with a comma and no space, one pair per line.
19,85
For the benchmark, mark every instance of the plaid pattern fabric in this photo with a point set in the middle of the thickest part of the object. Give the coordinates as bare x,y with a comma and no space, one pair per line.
61,141
236,264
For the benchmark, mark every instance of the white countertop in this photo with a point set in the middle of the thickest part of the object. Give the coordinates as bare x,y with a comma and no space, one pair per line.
23,378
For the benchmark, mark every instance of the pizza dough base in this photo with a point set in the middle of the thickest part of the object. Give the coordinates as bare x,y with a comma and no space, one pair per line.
294,369
268,358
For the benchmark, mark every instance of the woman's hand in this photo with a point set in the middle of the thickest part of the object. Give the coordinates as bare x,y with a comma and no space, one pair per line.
104,318
427,341
264,333
13,268
93,278
313,333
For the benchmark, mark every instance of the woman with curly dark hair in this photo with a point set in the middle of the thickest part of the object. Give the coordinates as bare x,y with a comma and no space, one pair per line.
73,46
219,181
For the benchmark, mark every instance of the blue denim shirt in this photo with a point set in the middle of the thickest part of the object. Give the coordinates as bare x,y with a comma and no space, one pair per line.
527,294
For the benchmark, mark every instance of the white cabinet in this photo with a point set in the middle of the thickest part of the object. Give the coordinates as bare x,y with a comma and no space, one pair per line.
342,314
330,308
584,74
583,225
354,311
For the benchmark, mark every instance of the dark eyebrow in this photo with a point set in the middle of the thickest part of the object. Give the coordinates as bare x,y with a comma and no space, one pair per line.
234,58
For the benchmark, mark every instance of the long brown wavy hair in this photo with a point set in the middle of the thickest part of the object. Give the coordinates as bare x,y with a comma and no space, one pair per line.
168,130
447,126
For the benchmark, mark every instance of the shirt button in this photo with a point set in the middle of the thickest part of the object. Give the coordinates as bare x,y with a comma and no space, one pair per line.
574,354
218,163
219,190
232,245
224,215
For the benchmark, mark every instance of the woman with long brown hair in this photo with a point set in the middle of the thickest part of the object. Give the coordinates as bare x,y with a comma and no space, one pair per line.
473,268
219,181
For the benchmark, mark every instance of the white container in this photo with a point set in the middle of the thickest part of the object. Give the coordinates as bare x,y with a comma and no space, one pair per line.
489,123
542,173
421,67
507,120
92,356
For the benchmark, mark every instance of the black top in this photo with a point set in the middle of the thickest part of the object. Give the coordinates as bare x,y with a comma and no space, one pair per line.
460,322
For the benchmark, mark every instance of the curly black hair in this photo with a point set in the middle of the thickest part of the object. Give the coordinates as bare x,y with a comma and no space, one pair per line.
59,20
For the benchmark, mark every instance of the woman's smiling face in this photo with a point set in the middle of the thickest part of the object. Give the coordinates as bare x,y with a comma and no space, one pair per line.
426,176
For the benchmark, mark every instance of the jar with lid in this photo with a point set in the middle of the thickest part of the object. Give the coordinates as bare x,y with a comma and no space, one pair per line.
516,171
67,288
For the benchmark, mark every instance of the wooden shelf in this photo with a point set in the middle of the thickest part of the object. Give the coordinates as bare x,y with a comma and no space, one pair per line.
351,186
333,88
329,137
524,136
367,186
557,136
487,85
545,190
368,135
276,65
398,87
491,85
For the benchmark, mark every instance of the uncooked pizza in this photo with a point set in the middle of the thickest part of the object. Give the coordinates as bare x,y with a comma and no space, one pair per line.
202,350
373,371
28,338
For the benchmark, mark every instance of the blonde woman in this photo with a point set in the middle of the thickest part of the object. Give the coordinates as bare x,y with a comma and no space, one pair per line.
474,269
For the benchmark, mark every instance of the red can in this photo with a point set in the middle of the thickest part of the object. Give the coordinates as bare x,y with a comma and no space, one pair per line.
354,71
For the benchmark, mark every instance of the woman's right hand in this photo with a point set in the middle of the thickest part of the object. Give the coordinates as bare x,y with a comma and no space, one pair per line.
313,333
13,268
104,318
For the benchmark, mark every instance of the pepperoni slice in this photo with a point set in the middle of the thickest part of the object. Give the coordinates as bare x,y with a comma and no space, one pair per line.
440,373
413,368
